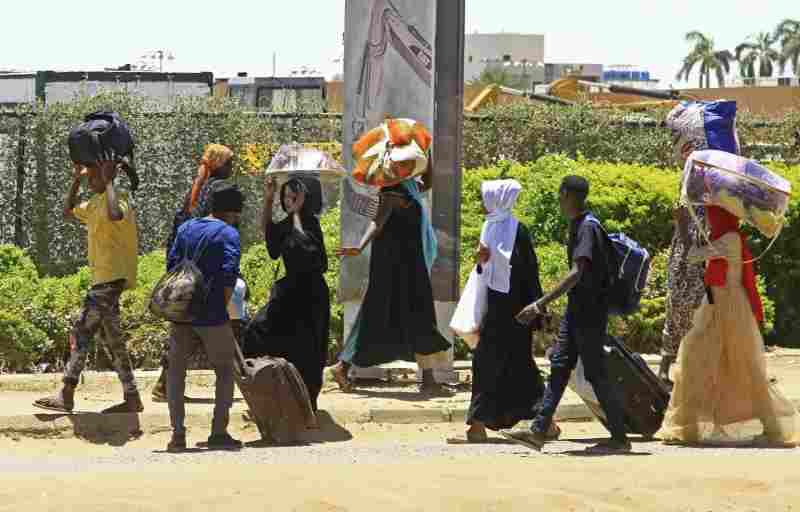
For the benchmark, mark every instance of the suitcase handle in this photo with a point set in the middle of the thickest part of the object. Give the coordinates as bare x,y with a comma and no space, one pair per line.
240,362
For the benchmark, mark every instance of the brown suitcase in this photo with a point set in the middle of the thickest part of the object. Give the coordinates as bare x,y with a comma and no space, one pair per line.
277,396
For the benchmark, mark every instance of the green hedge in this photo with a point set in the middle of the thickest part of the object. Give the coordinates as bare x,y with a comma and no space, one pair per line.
636,199
524,132
170,141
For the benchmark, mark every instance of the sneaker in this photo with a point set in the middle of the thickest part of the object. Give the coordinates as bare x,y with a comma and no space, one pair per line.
527,438
223,442
177,444
610,447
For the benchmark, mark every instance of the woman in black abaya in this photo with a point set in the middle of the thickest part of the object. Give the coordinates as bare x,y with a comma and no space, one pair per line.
294,323
506,383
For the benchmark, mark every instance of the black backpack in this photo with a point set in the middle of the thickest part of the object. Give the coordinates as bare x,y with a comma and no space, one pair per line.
104,136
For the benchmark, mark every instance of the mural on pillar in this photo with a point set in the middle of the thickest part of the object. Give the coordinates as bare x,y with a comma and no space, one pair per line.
389,72
388,27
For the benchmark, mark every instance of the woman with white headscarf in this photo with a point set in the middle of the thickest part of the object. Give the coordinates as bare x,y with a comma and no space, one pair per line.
506,383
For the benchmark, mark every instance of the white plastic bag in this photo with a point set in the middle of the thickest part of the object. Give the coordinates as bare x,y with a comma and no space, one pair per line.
471,309
584,389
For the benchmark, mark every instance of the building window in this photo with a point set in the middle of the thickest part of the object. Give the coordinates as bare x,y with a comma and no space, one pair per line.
506,58
469,59
264,98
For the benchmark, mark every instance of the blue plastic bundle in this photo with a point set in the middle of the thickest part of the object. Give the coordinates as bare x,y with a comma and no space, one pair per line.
705,125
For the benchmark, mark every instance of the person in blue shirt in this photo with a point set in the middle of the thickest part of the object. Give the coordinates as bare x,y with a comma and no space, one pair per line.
214,242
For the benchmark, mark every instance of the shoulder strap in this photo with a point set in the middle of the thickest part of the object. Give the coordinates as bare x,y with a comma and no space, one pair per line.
612,263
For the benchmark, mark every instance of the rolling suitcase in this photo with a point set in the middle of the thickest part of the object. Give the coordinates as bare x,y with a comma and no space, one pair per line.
644,397
277,397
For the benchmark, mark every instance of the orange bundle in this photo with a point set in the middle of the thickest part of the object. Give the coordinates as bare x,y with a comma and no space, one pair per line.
395,151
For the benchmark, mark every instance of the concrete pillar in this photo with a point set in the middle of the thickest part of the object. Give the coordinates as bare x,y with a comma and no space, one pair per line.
391,70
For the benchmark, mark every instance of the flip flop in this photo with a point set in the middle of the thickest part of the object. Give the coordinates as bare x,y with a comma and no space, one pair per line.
344,383
52,403
467,440
553,433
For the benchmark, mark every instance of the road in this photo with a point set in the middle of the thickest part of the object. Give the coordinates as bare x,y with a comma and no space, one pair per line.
391,467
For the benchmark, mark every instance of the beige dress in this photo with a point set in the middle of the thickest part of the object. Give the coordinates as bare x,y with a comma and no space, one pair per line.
722,393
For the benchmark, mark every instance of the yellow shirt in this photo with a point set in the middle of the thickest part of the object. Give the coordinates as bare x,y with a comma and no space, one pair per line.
113,246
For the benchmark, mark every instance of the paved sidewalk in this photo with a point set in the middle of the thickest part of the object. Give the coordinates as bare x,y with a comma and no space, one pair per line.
391,402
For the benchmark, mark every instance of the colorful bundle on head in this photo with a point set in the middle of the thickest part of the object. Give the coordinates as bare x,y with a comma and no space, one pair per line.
391,153
214,157
740,186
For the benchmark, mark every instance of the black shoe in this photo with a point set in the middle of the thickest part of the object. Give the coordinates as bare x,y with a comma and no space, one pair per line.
527,438
223,442
610,447
177,444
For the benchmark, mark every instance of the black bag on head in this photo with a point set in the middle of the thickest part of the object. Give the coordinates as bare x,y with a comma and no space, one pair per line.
104,136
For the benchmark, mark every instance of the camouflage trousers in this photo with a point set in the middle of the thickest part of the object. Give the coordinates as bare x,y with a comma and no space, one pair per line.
100,310
685,292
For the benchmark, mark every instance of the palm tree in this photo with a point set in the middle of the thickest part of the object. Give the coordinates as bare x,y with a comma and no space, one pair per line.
758,48
788,33
707,58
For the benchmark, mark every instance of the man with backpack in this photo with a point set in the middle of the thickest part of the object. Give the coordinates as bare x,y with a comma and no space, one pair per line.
113,246
583,328
212,244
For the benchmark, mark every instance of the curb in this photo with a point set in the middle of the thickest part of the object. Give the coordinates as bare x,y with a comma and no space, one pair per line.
107,428
48,381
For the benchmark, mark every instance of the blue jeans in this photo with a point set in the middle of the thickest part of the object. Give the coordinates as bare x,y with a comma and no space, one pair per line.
586,342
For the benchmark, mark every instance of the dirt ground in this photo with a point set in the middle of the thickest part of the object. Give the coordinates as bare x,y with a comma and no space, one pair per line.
392,467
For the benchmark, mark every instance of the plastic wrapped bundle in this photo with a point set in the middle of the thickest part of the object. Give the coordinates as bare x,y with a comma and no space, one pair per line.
395,151
704,125
296,160
744,188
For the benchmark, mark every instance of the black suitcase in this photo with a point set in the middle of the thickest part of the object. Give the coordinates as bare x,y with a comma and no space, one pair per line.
644,396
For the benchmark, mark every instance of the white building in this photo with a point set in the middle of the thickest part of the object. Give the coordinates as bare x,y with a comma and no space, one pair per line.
523,52
53,86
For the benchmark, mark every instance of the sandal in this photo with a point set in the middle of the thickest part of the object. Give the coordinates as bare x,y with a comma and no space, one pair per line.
340,377
54,403
553,433
469,439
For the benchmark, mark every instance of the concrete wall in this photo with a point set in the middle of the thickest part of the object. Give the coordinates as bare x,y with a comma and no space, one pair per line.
520,47
163,92
18,89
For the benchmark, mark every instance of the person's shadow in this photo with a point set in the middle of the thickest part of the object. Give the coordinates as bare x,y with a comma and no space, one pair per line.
97,428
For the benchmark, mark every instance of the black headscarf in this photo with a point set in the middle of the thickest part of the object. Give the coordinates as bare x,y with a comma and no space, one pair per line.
312,206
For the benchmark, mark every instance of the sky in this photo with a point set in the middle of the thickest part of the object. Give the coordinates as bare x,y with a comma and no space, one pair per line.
228,37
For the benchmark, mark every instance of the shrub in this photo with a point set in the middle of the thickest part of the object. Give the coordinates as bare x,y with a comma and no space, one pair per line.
16,261
20,342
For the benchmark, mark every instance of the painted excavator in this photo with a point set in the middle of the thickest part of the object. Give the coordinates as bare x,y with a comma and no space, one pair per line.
572,90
